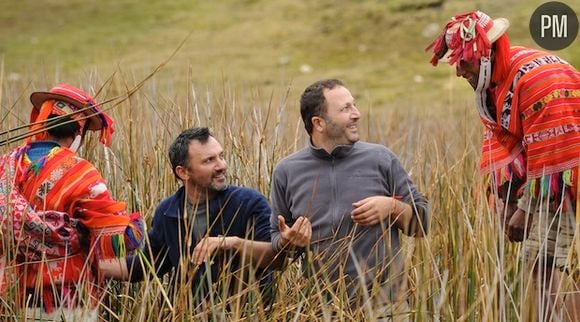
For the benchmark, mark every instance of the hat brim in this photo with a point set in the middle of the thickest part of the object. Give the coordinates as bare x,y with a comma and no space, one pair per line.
500,26
94,122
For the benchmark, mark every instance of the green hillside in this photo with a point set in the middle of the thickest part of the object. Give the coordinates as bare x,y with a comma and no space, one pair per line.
375,46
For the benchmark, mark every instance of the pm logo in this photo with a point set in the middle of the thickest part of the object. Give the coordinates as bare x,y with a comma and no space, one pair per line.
554,25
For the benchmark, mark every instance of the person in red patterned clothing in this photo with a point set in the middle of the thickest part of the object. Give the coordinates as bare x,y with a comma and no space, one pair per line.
57,216
529,103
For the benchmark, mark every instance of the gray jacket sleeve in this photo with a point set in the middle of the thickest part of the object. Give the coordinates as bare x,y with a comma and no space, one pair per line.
279,206
404,188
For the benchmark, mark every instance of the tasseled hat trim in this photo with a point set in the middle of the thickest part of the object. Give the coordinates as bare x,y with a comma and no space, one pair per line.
79,102
467,37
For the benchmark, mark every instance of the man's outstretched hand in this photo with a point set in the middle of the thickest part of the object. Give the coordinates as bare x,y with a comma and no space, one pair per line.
299,235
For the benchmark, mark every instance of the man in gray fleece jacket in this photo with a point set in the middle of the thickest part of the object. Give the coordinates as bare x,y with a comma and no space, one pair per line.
344,199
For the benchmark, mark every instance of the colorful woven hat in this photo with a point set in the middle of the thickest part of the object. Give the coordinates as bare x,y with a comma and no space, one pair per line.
77,100
467,37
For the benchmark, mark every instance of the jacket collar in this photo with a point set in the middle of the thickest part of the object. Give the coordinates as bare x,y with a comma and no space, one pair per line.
177,204
339,151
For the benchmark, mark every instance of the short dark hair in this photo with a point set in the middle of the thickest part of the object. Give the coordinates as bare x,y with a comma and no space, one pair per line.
313,103
67,128
178,150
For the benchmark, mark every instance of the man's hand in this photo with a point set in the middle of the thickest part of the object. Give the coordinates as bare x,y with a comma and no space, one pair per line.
209,245
372,210
298,235
115,268
506,212
517,230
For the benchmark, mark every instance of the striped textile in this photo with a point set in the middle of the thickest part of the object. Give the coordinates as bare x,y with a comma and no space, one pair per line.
62,220
538,115
536,139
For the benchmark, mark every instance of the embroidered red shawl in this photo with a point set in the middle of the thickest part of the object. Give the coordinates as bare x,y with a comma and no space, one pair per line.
538,113
62,219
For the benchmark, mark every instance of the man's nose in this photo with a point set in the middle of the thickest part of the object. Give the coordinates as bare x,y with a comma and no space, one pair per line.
355,113
221,164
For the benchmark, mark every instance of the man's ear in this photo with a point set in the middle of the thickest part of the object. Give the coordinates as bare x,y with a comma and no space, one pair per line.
318,123
182,172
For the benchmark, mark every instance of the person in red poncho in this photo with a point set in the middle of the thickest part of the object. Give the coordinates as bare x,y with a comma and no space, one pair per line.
57,217
529,103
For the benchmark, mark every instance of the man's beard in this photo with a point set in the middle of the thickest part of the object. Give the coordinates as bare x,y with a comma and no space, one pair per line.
217,187
339,134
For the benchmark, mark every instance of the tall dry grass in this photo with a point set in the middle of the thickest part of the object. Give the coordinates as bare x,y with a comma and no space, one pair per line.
463,270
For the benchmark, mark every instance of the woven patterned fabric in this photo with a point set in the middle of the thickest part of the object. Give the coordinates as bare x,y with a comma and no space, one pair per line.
61,219
538,115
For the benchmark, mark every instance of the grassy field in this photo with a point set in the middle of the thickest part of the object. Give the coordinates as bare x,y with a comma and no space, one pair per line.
240,70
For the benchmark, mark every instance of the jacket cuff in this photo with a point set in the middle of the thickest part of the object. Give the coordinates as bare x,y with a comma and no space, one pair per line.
289,251
134,268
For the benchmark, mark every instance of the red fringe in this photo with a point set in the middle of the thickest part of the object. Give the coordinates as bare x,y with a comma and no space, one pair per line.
107,129
437,45
40,116
473,49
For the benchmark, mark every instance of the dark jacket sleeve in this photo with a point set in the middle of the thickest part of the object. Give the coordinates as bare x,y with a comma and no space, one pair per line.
156,248
260,211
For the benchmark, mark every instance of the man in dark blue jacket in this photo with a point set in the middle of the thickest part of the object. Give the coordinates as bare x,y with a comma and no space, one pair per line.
212,235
